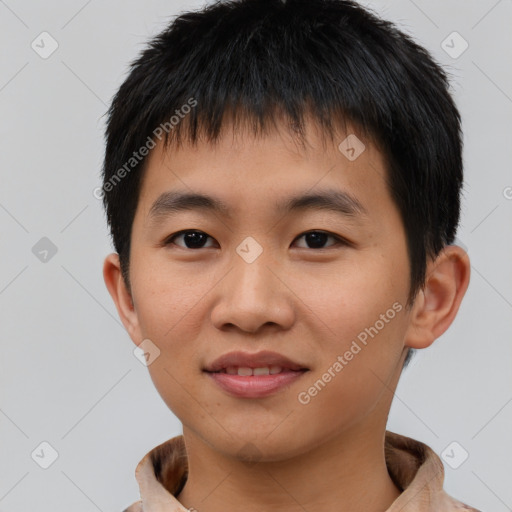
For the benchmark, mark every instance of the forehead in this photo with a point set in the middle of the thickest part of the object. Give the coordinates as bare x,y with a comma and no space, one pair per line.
273,170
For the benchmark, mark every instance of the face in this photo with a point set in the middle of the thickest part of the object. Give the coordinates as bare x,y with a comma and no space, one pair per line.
323,284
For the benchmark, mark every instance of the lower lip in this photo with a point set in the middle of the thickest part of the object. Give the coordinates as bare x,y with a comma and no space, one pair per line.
255,386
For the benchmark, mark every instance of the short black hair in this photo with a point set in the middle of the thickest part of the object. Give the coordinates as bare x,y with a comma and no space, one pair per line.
255,61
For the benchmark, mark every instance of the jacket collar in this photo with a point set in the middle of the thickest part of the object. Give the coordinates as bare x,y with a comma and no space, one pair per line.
414,467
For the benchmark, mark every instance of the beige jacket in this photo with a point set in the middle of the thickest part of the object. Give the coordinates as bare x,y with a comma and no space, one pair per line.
414,467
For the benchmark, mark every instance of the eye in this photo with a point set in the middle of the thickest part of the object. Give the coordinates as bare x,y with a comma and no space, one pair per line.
193,239
318,238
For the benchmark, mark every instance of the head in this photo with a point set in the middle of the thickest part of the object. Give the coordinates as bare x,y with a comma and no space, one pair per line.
253,103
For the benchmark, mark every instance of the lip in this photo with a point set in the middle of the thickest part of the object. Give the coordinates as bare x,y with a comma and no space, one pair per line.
254,360
254,386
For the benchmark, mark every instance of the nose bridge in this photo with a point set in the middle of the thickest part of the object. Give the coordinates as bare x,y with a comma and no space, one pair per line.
251,294
252,277
253,284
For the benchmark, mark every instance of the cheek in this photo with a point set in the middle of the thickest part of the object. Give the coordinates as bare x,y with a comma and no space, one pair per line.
168,300
353,297
171,314
360,322
353,370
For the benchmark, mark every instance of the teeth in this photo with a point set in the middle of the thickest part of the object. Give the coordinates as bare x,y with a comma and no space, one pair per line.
244,371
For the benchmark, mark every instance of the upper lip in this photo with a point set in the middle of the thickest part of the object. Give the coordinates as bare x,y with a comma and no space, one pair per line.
255,360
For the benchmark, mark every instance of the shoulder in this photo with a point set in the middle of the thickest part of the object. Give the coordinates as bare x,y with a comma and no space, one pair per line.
456,505
462,506
135,507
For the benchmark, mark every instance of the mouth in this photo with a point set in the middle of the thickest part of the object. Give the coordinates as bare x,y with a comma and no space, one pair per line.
259,363
245,375
255,386
246,371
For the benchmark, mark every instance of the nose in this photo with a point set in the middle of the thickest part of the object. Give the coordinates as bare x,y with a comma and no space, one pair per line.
253,296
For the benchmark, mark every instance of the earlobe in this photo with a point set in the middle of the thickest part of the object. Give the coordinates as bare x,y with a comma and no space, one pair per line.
437,304
116,286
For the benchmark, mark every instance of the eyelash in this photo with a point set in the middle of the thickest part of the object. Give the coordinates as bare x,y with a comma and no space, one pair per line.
339,240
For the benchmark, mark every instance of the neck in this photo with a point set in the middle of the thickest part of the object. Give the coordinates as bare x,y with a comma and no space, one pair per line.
345,473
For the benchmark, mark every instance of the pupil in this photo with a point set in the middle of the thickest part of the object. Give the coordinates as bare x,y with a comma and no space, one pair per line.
194,239
316,239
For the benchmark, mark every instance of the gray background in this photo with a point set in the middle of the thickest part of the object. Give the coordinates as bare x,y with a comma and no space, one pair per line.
68,373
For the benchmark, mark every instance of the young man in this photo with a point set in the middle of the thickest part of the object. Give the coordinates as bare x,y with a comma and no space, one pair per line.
282,184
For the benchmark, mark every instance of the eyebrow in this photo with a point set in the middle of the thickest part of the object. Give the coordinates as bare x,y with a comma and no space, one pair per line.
339,202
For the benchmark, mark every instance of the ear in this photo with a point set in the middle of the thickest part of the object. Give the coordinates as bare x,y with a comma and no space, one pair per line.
438,302
116,286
